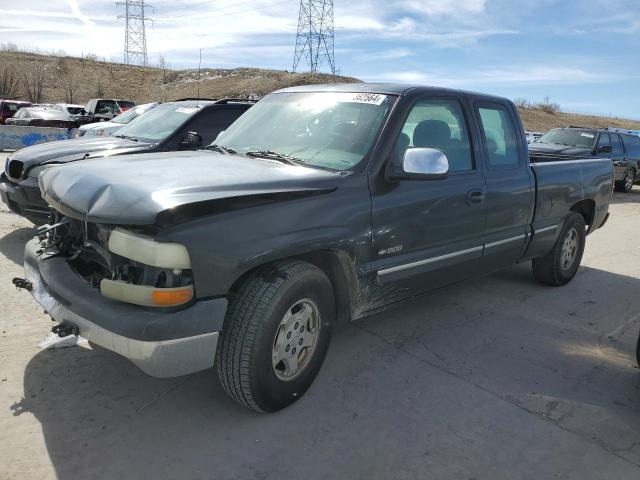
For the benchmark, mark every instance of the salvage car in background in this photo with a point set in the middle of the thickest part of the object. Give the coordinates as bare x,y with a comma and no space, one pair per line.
321,204
75,112
41,117
8,108
579,143
171,126
106,129
106,108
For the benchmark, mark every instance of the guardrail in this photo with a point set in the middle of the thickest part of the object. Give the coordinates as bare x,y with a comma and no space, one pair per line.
13,137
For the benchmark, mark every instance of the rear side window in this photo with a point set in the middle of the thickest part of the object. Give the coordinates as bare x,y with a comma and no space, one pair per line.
439,124
616,143
107,106
501,141
632,145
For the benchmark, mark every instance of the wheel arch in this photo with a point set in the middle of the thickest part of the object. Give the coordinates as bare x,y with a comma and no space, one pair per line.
339,267
586,208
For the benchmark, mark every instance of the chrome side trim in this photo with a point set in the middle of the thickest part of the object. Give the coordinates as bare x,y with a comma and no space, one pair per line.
506,240
546,229
426,261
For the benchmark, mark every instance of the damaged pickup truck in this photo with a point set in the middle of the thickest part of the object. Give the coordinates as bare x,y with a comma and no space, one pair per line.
321,204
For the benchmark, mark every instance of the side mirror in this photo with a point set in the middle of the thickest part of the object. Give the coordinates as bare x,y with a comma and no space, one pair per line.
605,149
191,141
423,164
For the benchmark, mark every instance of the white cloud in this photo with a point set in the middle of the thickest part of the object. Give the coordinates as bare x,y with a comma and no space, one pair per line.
517,75
75,9
444,7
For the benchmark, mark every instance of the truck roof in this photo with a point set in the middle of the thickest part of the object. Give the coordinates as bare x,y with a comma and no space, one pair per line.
382,88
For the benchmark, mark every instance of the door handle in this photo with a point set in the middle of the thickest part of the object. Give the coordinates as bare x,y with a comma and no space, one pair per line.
476,196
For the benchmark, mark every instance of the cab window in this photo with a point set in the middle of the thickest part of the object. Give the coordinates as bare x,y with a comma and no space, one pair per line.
439,124
501,141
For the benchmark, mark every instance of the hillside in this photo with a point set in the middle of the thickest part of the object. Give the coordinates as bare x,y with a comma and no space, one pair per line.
75,80
535,119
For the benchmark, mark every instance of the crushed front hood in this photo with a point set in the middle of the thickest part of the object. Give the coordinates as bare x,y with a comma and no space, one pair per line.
76,149
135,189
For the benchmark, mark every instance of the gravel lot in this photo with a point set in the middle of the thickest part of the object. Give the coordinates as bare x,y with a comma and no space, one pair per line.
496,378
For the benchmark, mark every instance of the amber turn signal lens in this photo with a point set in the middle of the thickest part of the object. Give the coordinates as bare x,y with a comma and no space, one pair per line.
171,298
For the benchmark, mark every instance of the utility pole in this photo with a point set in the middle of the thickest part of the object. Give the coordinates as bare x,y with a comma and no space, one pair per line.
315,37
135,38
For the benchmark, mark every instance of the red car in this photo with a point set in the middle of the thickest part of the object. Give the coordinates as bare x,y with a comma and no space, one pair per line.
8,108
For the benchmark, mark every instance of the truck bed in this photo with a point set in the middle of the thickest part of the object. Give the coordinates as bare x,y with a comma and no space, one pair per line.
562,185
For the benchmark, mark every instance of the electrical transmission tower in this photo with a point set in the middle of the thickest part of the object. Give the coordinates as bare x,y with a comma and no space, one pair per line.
135,38
314,41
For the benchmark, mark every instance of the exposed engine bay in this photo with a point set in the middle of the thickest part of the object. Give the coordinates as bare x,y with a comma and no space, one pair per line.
86,248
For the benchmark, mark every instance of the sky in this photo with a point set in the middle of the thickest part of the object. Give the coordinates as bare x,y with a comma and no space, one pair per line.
582,54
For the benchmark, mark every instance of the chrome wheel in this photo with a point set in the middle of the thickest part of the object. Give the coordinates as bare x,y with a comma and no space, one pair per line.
569,249
628,180
295,339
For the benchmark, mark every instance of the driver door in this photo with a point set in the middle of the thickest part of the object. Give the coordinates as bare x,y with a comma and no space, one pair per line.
428,233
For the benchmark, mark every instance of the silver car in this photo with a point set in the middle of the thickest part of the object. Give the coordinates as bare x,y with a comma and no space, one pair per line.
106,129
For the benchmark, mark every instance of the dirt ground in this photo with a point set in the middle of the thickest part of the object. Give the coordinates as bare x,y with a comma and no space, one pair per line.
495,378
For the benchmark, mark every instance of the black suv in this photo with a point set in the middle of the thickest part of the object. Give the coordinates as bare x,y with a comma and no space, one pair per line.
581,143
180,125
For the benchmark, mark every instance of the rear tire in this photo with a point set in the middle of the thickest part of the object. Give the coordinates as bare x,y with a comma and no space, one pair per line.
560,265
626,184
276,335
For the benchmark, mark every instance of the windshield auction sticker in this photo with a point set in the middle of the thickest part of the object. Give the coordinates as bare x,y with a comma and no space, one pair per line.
186,111
370,98
588,135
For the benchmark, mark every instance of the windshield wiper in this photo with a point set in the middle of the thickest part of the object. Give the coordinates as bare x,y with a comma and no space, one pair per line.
127,137
221,149
270,155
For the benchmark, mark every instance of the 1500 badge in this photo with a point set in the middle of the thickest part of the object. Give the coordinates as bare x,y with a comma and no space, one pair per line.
390,250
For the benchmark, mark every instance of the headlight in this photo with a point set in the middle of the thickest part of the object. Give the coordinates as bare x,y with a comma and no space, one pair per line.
146,250
145,295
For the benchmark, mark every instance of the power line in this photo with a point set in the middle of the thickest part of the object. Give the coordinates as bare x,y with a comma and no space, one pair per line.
135,37
315,37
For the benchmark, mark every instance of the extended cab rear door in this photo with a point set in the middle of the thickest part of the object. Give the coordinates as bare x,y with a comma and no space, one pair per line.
510,184
428,233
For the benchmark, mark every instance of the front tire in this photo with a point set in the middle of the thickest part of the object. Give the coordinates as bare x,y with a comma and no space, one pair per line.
626,184
560,265
276,335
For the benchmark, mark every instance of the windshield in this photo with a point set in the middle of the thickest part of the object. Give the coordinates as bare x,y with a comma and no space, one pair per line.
570,137
75,110
129,115
160,122
332,130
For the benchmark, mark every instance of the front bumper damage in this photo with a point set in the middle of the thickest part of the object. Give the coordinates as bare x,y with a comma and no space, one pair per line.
162,343
24,199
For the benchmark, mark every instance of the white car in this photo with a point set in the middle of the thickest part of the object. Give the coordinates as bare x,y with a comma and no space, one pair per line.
533,137
106,129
